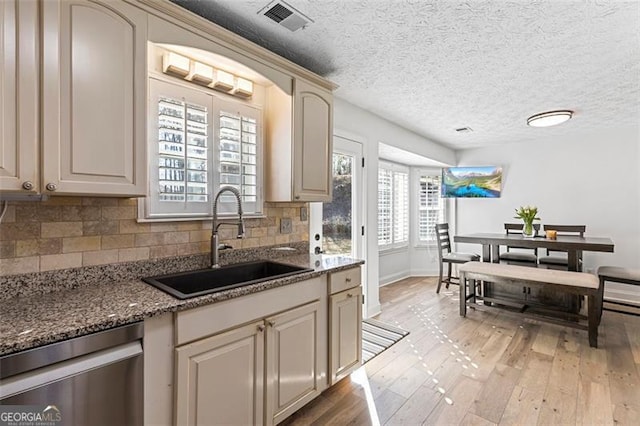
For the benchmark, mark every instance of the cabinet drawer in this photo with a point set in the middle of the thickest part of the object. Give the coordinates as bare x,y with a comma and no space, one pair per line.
339,281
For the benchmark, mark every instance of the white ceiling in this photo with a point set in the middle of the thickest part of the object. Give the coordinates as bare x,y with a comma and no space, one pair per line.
432,66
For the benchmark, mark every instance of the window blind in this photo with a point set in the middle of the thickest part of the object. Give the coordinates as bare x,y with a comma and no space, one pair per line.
384,206
393,207
431,207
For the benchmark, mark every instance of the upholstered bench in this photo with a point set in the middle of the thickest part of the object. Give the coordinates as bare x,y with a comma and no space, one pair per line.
579,283
618,275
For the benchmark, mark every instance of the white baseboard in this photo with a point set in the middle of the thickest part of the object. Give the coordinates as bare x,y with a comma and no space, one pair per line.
425,272
386,280
373,311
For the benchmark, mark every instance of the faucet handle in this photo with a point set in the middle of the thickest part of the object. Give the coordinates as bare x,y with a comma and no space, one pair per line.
224,246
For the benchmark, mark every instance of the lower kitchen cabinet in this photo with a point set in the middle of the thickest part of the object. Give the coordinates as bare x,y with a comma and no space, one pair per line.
219,379
293,368
259,373
254,359
345,343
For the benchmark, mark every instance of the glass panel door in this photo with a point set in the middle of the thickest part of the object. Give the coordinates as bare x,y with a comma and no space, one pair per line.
337,215
342,219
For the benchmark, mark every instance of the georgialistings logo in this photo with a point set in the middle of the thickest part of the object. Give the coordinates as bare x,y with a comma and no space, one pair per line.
29,415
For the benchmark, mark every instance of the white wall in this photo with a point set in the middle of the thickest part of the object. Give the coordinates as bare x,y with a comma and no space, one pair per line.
361,125
591,179
395,264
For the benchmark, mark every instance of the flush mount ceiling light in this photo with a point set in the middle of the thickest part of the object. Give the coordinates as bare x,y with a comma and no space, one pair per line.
550,118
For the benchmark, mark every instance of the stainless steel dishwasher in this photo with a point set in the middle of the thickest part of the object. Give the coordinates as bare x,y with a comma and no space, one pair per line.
95,379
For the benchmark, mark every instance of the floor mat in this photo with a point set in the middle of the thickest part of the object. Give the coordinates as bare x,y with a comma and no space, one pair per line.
377,337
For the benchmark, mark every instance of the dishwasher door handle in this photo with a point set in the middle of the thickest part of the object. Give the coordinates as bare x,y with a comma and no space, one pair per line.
56,372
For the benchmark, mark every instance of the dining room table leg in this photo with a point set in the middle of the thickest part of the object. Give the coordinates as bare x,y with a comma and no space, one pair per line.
486,253
572,260
495,253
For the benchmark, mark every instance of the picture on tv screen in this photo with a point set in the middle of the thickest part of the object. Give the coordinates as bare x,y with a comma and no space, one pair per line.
472,182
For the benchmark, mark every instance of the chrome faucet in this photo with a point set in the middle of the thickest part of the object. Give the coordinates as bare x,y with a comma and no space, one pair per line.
214,229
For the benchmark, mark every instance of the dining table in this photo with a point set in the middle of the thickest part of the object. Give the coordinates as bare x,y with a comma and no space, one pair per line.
573,245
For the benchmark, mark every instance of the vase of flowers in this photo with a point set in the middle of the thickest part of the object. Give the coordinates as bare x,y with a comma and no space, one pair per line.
528,215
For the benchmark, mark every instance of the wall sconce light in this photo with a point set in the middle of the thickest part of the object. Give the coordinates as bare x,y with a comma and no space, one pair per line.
223,81
201,73
244,87
206,75
175,64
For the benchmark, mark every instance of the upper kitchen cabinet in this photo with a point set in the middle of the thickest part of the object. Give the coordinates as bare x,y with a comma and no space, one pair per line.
94,73
299,144
19,95
298,105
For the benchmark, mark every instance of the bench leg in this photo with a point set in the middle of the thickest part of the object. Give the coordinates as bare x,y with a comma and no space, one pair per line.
593,319
463,295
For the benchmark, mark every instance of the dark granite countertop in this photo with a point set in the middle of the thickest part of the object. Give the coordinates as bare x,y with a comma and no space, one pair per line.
35,319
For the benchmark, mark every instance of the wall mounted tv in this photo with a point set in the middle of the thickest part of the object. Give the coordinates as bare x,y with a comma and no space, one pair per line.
471,182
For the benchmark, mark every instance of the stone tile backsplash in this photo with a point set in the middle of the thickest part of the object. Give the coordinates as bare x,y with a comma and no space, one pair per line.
70,232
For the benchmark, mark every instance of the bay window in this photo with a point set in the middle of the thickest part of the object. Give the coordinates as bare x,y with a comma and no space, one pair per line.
393,206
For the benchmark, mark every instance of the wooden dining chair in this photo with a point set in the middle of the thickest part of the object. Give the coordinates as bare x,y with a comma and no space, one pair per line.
620,275
560,259
521,256
445,255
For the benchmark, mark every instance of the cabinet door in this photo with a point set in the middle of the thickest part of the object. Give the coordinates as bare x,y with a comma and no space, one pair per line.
18,95
94,86
313,136
293,370
345,313
219,379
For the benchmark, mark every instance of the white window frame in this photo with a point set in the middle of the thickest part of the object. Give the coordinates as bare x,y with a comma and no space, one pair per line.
148,210
417,174
397,241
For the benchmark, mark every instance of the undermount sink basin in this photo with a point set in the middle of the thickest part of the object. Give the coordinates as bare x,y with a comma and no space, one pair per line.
185,285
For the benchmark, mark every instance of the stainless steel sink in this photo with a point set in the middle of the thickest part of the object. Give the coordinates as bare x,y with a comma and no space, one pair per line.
185,285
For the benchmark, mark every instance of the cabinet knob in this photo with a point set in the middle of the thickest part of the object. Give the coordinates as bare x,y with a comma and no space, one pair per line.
28,185
297,197
270,323
349,295
348,280
260,328
51,187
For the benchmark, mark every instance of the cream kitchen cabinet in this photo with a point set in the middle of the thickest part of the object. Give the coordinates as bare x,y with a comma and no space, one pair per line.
345,319
299,144
19,150
94,72
219,380
251,360
293,366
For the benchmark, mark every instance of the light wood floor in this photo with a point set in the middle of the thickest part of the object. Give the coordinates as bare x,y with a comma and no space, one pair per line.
488,368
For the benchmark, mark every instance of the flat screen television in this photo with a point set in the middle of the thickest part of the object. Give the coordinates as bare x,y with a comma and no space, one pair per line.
471,182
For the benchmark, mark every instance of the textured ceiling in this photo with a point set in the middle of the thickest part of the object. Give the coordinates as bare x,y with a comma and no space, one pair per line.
434,66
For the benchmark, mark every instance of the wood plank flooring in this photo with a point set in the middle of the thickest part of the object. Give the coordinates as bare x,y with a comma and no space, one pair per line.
490,368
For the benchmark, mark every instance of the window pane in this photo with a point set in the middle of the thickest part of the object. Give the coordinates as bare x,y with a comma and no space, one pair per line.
182,151
238,155
430,208
384,207
400,207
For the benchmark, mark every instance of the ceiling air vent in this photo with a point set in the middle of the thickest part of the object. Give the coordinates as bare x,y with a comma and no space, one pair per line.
285,15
